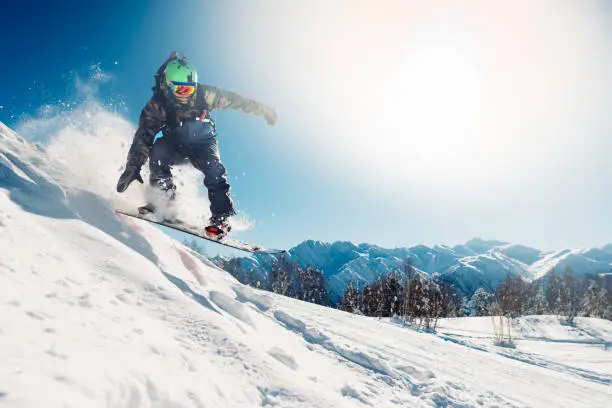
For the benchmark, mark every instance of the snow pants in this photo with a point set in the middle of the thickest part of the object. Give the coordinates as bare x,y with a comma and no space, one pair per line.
194,142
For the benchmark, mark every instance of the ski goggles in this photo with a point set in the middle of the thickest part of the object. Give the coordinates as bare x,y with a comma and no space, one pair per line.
182,88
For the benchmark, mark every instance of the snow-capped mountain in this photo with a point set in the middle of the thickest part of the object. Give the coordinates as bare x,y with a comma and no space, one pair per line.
477,263
101,311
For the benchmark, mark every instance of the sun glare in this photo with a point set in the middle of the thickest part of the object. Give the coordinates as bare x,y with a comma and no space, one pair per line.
432,113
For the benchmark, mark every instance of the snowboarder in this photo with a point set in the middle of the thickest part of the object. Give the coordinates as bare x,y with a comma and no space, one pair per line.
180,109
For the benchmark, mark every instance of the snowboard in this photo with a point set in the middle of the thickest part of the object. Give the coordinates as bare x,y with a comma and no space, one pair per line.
199,232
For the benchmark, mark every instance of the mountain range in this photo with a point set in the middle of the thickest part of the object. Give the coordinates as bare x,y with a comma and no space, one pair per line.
477,263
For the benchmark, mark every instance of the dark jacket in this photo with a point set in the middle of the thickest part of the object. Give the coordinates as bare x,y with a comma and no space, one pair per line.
162,114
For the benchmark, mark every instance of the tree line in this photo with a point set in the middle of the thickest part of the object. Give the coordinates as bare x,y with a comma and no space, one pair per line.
567,295
422,299
407,294
418,298
285,278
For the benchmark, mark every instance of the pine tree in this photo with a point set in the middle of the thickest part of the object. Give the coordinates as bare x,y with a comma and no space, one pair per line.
451,299
373,298
413,298
538,303
479,302
351,301
570,294
392,296
553,292
322,294
369,300
280,274
594,302
461,305
605,282
311,286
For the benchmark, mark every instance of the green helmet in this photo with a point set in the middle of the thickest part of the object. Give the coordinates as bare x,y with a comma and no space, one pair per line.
181,79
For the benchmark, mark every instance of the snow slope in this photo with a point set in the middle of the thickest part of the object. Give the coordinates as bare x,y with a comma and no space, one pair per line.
100,311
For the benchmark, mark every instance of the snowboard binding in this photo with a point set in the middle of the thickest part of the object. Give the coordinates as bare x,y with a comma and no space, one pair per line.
146,209
218,227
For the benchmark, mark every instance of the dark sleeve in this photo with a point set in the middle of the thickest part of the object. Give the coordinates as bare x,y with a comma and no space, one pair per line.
216,98
152,119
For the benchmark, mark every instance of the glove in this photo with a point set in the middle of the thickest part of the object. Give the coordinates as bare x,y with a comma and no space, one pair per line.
270,116
130,174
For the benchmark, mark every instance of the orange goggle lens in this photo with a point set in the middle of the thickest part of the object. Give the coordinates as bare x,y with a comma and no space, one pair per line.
182,89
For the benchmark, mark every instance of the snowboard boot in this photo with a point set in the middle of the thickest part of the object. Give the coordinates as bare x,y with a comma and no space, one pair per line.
218,227
166,194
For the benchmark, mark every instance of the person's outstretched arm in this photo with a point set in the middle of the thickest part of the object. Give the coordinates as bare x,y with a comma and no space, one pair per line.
220,99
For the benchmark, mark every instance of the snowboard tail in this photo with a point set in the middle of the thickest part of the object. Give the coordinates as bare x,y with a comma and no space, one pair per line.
200,233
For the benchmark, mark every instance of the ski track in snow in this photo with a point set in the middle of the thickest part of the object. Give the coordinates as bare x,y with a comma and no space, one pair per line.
534,359
99,311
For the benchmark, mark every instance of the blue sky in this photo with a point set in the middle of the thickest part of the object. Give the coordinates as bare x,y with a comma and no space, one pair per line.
400,124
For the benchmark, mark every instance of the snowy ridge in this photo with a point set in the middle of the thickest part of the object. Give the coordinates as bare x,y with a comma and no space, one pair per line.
582,261
478,263
101,311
